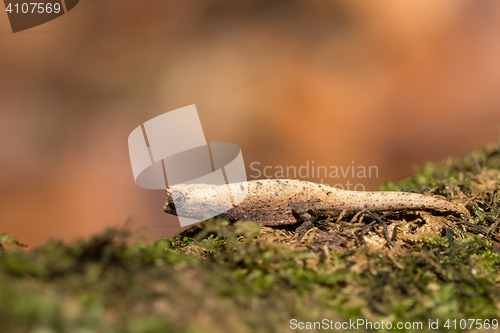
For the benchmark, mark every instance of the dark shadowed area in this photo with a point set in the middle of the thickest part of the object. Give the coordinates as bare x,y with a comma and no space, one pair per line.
294,83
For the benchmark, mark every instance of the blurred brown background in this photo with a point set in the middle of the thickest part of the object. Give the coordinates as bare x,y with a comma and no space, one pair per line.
388,83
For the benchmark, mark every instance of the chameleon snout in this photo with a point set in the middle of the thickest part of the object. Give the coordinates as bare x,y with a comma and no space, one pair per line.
169,206
175,199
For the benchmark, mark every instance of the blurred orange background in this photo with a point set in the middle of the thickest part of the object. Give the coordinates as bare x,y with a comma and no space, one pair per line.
389,83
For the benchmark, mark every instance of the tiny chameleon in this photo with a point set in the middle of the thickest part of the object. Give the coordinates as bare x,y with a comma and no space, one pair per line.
277,202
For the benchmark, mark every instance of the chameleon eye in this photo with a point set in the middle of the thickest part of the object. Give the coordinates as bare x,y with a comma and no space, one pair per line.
178,198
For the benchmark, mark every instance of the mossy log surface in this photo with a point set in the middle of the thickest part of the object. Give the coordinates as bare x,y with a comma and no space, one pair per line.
415,267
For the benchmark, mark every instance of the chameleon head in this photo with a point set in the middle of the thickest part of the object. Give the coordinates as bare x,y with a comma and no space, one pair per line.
175,200
199,201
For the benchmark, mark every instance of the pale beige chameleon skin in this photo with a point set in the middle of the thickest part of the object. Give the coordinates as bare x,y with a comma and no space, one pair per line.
275,202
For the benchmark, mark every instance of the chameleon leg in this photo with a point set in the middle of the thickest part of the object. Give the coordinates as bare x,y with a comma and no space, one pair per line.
301,214
305,211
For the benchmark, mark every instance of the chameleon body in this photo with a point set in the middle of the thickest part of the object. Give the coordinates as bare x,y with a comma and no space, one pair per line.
277,202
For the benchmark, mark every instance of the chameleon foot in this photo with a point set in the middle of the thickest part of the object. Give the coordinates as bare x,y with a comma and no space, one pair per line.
301,214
